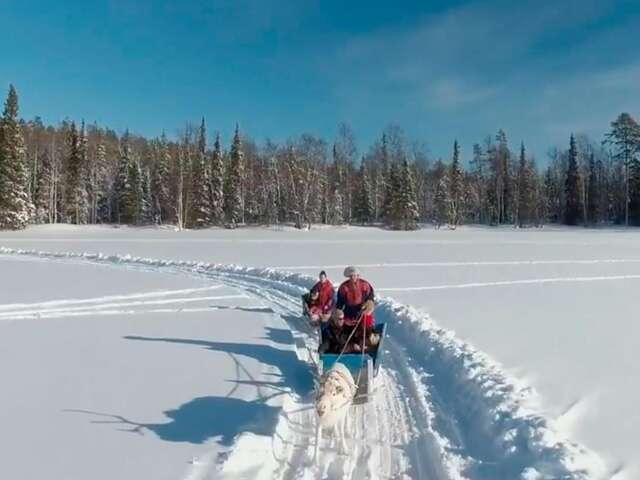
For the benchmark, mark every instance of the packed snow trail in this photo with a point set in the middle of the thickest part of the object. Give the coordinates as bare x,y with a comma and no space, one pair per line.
442,409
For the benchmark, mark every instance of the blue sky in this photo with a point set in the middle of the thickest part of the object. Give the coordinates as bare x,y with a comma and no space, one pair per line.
441,70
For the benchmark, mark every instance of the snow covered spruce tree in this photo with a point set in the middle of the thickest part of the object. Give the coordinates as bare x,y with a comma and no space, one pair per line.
147,212
252,178
160,191
136,194
525,207
97,183
344,157
573,196
128,186
216,184
594,192
441,202
405,201
200,209
16,209
625,139
456,189
383,178
178,185
75,177
306,180
500,195
336,189
479,182
43,190
233,207
363,211
336,215
272,186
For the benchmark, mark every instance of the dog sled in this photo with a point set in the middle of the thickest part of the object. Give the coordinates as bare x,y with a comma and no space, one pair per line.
363,366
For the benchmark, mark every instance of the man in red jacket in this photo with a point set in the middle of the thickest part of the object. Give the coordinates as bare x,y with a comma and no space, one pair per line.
355,298
321,304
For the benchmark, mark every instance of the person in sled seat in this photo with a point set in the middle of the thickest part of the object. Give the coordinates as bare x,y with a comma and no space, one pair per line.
320,300
335,335
356,298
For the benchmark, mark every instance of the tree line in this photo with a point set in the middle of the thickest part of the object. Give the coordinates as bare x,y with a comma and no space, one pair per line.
86,174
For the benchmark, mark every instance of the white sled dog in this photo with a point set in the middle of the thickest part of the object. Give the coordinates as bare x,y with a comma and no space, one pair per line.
334,397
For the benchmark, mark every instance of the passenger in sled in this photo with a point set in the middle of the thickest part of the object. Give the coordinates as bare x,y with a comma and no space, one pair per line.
338,338
319,302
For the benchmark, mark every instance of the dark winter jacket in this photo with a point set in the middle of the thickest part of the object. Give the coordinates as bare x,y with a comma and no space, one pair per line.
334,339
351,297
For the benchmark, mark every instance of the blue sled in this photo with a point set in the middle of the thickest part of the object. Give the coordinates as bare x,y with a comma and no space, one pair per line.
363,368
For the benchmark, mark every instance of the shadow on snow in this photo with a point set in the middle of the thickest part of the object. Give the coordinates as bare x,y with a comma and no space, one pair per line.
294,375
203,418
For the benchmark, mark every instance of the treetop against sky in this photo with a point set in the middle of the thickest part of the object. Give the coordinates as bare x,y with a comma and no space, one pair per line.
440,69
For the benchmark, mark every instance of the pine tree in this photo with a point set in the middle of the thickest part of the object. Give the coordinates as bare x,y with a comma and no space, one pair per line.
634,191
336,215
135,204
362,206
594,192
456,188
179,186
525,203
97,184
85,185
160,191
76,204
216,186
16,209
147,199
501,193
200,208
337,188
478,171
104,200
233,207
405,201
345,153
43,190
272,196
392,185
384,188
573,208
441,202
625,138
389,183
124,187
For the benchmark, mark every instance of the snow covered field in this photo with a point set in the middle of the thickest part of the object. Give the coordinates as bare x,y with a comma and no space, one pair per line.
117,367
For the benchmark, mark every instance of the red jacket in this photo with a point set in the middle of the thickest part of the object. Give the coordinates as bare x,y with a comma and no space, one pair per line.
325,295
351,297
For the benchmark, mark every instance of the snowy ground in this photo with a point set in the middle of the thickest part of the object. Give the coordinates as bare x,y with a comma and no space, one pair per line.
147,367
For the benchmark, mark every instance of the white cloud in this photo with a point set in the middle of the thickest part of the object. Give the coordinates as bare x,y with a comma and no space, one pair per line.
453,93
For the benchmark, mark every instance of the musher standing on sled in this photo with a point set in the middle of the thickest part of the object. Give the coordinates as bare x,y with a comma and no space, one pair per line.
355,298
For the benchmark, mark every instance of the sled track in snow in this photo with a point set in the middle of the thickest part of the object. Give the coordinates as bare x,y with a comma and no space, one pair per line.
442,409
